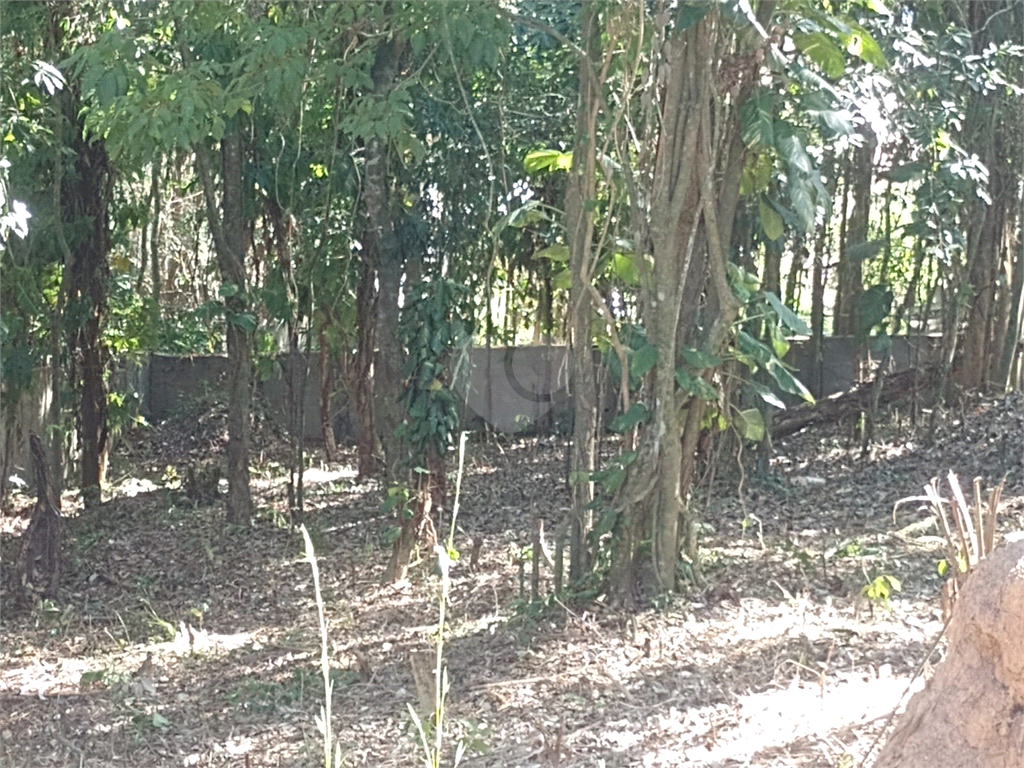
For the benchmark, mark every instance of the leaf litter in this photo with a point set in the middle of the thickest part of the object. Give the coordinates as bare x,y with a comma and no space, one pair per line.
179,642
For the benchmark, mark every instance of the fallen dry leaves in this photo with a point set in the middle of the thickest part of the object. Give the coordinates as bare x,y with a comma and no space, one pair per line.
178,642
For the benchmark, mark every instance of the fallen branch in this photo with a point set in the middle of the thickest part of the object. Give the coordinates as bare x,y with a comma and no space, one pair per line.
852,402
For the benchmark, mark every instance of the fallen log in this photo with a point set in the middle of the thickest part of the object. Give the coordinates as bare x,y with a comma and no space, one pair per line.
854,401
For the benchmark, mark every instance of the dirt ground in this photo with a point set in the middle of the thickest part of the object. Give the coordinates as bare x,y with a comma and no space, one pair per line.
179,642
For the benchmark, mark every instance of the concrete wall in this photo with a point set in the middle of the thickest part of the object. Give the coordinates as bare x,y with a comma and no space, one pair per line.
837,369
511,388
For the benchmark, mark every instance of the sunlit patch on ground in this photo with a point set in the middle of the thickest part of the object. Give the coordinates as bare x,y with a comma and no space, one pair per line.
781,661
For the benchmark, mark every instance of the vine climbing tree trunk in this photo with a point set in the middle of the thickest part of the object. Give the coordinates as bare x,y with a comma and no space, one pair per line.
682,215
579,236
385,256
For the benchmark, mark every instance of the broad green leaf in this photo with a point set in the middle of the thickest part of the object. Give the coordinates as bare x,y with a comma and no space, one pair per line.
791,147
642,361
820,49
757,116
819,105
244,320
861,44
771,222
787,316
547,159
873,306
526,215
802,198
757,174
636,414
699,359
753,348
780,346
695,385
562,280
786,381
625,269
750,424
767,395
227,290
557,253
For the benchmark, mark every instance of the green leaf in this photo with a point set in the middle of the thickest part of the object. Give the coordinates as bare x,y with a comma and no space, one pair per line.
159,721
787,316
700,359
757,116
750,424
695,385
526,215
820,49
873,306
547,159
757,174
771,222
767,395
227,290
625,269
562,280
780,346
557,253
244,320
637,414
860,43
819,105
802,198
791,147
786,381
642,361
753,348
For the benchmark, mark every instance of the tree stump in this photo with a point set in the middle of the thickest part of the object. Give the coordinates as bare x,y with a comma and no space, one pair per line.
40,560
971,714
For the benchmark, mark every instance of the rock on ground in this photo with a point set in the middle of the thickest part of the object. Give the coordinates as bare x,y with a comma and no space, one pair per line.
971,714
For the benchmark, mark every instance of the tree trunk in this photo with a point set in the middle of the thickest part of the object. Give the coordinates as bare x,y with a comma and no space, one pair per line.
850,277
385,255
1012,338
579,237
693,194
361,383
818,286
231,242
326,389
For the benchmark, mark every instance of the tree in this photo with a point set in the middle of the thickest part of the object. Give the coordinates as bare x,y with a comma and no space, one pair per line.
206,67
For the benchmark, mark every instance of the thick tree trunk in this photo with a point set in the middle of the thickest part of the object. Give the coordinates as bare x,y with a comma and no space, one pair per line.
579,236
692,202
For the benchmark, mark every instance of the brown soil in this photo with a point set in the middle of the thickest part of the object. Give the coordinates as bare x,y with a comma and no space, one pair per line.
176,641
